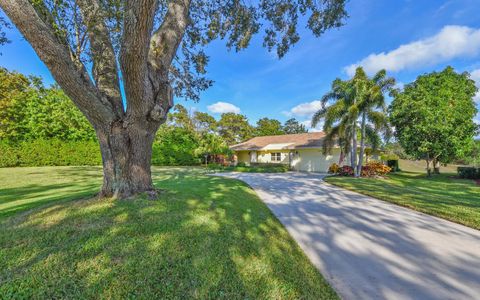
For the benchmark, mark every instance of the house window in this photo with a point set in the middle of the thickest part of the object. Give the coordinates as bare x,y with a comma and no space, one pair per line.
276,156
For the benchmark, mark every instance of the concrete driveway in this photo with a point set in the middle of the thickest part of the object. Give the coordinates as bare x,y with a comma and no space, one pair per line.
370,249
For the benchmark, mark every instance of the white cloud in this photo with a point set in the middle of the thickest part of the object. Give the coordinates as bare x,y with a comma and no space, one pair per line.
223,107
451,42
399,85
475,75
305,109
308,125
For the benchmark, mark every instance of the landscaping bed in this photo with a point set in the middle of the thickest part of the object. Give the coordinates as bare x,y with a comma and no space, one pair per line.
260,168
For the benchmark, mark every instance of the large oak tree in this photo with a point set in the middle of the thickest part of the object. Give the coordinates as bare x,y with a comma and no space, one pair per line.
154,50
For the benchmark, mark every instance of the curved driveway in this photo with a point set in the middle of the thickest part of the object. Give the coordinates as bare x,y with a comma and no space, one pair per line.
370,249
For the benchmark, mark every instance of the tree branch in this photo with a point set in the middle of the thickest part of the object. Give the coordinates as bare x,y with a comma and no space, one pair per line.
105,71
138,26
163,48
56,56
167,38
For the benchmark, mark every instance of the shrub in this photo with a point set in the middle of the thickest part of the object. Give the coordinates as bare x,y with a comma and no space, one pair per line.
269,167
389,156
51,152
241,164
55,152
375,168
215,166
345,171
468,172
333,169
175,146
393,164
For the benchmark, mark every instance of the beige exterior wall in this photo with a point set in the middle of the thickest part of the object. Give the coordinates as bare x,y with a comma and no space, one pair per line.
309,160
265,157
243,156
312,160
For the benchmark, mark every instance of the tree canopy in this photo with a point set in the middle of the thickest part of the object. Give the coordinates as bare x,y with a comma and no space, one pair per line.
292,126
434,116
234,128
29,110
357,109
266,126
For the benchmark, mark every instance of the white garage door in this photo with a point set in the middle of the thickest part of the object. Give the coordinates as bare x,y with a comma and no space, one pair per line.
313,160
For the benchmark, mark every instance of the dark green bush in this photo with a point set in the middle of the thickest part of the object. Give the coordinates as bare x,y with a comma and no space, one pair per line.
468,172
241,164
175,147
393,164
53,152
270,167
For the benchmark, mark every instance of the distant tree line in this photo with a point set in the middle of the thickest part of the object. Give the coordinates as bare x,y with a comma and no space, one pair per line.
39,125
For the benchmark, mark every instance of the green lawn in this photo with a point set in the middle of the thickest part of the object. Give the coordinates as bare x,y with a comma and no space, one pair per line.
205,237
443,196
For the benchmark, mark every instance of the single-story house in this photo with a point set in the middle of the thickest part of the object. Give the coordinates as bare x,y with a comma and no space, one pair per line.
302,152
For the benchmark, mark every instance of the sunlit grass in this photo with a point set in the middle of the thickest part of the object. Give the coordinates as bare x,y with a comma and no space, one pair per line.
442,195
205,237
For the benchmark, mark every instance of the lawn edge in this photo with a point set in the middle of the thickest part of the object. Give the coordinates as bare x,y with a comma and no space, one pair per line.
400,205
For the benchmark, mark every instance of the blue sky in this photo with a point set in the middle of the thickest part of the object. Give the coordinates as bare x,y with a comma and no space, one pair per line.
406,37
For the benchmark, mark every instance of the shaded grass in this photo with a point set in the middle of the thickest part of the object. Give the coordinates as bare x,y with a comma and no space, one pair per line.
27,188
442,196
206,237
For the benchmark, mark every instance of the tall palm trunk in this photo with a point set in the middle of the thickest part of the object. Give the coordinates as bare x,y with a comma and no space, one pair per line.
362,146
354,148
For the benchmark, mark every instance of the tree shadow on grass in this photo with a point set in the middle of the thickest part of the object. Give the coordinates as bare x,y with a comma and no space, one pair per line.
206,237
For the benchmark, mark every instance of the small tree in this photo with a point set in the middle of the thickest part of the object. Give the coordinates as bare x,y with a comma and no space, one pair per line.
433,117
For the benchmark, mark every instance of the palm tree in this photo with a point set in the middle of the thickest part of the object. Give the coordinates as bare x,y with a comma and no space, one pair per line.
337,122
354,99
373,111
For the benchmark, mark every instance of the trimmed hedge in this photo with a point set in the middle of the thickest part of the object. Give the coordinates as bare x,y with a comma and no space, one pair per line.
53,152
393,164
468,172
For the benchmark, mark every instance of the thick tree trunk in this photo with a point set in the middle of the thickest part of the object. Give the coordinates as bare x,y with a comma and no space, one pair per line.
126,154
